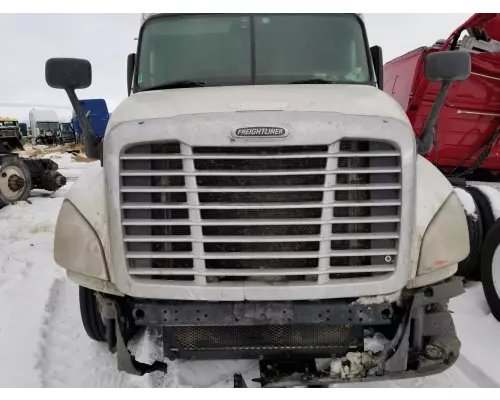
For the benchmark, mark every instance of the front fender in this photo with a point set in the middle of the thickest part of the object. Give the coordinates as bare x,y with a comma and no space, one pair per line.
433,191
83,224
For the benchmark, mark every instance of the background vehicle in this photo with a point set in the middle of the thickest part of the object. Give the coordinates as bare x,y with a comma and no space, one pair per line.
67,133
23,127
466,146
96,111
10,134
263,198
43,124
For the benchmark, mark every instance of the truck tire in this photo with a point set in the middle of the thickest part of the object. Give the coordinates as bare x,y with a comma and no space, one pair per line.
469,268
91,316
15,180
490,269
484,207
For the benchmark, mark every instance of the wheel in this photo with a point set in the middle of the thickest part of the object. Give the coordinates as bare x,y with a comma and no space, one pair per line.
15,180
490,269
483,204
469,267
91,316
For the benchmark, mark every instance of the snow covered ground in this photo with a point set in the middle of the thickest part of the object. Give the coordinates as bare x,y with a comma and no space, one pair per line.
43,344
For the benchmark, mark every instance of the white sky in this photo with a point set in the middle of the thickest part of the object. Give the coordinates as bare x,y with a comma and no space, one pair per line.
28,40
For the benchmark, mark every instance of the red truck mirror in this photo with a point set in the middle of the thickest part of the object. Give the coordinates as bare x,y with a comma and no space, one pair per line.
447,66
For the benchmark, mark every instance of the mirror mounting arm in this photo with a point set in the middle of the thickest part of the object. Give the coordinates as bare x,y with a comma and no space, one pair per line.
426,141
91,143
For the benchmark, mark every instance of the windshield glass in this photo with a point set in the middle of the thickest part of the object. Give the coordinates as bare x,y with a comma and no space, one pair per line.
51,126
244,49
65,127
8,123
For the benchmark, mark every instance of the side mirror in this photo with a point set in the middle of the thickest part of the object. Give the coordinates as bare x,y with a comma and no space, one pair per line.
130,72
68,73
71,74
447,66
378,63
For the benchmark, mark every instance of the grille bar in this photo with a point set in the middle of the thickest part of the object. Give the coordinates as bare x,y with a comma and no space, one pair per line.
264,239
258,157
265,173
327,213
261,206
261,255
222,189
195,216
267,272
260,222
266,213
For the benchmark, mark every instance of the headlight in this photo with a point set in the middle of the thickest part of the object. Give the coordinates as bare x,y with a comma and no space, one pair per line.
76,245
446,240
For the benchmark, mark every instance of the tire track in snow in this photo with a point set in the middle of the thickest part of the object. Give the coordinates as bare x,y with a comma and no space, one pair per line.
70,357
49,310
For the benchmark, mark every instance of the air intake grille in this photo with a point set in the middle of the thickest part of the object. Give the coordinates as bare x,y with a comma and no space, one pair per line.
275,214
233,338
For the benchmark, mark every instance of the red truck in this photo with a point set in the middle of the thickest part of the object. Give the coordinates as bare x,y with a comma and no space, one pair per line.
466,141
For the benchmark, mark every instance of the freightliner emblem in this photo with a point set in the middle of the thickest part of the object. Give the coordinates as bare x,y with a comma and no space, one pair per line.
260,131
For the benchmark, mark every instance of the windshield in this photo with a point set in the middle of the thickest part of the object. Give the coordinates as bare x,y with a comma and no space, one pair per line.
65,127
8,123
48,126
213,50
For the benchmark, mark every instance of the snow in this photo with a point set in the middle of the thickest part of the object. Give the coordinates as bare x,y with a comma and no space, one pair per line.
43,344
493,196
467,201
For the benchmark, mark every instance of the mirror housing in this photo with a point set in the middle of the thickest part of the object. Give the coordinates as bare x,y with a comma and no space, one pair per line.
71,74
378,63
130,72
68,73
445,67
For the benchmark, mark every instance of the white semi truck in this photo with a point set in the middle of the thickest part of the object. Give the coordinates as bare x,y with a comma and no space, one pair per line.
259,196
43,122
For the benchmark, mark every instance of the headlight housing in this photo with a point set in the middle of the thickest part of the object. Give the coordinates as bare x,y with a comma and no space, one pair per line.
77,246
446,240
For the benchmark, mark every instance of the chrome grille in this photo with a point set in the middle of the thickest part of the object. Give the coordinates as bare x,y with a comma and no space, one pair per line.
257,213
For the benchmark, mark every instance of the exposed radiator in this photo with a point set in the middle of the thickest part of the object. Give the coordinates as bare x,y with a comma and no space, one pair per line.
274,214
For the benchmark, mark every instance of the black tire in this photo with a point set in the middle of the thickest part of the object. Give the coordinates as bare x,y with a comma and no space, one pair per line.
490,245
469,268
484,207
91,316
12,165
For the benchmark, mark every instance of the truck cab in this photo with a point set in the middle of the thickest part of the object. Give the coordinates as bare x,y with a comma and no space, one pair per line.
260,196
96,111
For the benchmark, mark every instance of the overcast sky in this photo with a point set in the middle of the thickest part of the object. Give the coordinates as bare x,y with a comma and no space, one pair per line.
28,40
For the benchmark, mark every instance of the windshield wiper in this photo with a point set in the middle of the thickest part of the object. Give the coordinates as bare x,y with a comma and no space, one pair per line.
176,85
312,81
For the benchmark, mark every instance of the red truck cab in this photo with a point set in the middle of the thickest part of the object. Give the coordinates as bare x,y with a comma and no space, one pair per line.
470,118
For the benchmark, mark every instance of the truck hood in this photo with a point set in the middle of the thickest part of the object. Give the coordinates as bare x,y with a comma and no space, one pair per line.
345,99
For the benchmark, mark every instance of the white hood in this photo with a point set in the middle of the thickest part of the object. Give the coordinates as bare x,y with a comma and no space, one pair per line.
345,99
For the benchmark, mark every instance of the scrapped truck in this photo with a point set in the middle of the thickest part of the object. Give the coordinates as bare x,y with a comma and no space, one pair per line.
259,196
466,145
10,134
